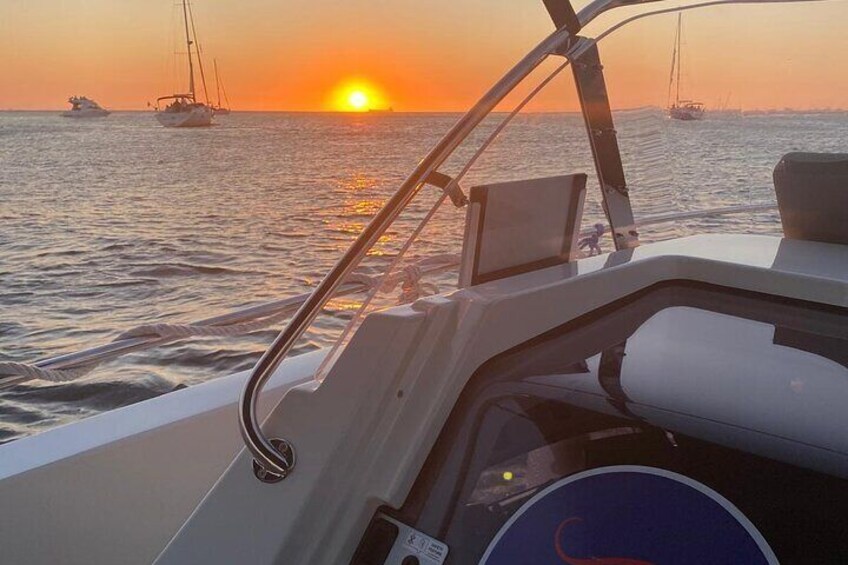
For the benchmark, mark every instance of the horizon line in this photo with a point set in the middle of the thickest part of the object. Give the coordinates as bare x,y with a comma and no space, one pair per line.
383,113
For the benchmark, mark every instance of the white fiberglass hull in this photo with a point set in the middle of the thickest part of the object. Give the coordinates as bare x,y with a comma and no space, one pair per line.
198,116
686,114
115,487
88,113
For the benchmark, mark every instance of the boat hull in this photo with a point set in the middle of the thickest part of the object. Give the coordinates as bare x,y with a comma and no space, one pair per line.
149,463
686,114
199,116
91,113
358,449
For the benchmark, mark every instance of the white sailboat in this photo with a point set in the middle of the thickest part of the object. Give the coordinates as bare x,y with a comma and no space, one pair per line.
184,110
218,108
686,110
82,107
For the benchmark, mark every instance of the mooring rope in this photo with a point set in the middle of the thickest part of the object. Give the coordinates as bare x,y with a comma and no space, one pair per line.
29,371
172,332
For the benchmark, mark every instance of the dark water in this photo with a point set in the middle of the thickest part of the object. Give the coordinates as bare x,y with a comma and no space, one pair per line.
116,222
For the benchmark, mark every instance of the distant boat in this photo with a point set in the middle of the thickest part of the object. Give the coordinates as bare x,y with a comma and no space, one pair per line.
184,109
686,110
82,107
218,109
388,110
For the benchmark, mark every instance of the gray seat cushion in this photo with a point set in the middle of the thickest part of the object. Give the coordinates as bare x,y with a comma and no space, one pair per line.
812,196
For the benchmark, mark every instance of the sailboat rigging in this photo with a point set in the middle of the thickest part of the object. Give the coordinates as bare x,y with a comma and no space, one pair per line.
219,87
184,109
686,110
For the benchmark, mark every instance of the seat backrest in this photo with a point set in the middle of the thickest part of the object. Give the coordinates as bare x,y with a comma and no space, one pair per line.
812,196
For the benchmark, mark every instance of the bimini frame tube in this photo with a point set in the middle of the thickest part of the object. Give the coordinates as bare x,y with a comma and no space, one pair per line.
271,461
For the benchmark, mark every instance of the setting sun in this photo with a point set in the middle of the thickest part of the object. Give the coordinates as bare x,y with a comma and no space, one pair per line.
358,100
356,95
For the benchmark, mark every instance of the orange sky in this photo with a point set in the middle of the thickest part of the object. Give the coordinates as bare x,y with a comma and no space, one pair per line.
435,56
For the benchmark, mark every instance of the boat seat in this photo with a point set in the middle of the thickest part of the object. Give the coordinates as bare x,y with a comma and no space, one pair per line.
812,196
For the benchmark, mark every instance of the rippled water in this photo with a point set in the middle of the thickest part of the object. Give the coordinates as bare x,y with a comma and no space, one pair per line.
111,223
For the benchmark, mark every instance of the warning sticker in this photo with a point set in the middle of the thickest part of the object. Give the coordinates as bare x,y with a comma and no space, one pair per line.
433,550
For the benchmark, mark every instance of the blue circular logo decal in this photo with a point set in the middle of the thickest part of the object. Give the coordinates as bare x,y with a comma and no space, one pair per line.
628,515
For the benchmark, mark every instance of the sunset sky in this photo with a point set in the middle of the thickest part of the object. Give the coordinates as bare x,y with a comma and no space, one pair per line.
414,56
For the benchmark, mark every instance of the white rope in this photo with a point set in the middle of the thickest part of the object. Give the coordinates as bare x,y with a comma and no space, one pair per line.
409,278
34,372
172,332
163,333
411,287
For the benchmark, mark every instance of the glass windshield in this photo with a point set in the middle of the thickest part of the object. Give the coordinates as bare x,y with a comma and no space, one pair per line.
705,103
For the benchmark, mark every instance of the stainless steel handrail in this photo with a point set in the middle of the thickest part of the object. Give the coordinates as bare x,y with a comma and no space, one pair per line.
695,214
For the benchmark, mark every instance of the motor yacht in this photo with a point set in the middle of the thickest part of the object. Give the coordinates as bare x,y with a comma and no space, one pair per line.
657,400
82,107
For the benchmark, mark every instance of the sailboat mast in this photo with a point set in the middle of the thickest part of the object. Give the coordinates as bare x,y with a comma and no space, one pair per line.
226,98
679,56
671,72
199,58
217,81
188,45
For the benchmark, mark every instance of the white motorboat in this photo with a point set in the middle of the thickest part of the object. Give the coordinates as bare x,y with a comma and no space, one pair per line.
184,110
82,107
681,401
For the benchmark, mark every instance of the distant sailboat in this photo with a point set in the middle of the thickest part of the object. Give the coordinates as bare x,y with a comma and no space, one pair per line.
686,110
219,86
185,110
